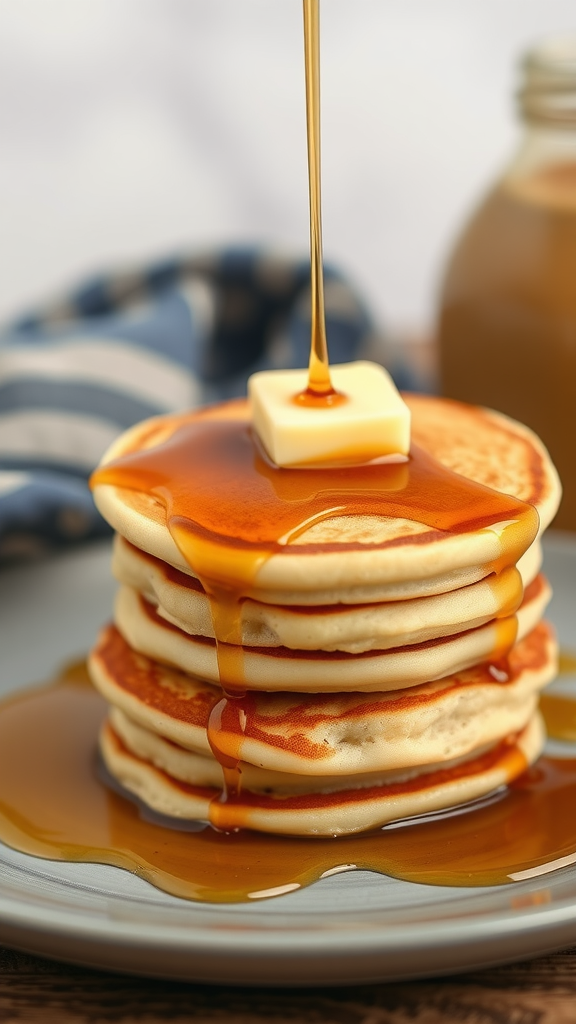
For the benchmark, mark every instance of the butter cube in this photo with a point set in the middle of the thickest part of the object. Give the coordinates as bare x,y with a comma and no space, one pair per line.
372,422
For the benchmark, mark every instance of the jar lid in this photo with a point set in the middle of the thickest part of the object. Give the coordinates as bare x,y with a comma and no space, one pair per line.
548,89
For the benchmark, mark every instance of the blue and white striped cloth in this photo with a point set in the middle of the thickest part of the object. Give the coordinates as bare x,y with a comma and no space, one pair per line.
176,334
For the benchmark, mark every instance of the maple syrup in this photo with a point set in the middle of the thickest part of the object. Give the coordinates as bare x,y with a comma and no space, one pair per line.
559,709
319,391
50,733
567,663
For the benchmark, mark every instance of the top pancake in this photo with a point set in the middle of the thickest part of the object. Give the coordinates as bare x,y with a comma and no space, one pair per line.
363,558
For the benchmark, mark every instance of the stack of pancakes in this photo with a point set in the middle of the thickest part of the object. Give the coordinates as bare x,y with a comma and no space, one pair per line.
389,670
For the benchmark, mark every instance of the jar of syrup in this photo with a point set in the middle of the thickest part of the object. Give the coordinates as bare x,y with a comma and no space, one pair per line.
507,330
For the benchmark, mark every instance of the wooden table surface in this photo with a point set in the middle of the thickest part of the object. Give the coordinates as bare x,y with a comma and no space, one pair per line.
542,991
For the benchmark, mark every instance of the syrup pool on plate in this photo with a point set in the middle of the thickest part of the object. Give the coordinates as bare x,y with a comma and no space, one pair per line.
55,805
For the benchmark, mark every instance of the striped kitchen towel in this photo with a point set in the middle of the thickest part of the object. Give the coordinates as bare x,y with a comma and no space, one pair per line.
176,334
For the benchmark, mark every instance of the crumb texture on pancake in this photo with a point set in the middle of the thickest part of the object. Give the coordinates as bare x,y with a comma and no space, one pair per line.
351,628
334,734
281,668
463,438
334,813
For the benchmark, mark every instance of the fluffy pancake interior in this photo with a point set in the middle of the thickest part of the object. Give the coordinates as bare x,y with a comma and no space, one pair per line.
204,770
283,668
332,813
354,628
333,734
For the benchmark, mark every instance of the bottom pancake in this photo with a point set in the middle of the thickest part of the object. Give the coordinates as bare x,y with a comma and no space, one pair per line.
328,811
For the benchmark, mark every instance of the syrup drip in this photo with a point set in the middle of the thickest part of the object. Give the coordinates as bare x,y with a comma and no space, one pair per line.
49,734
567,663
559,713
327,400
226,613
319,391
225,743
559,709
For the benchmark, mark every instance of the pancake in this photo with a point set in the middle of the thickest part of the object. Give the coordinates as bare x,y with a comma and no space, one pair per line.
181,600
332,735
351,557
202,770
282,668
380,625
165,582
332,812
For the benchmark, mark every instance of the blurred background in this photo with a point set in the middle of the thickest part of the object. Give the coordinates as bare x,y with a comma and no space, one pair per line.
135,128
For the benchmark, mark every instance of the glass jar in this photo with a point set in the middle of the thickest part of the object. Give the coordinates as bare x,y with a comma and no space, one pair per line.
507,328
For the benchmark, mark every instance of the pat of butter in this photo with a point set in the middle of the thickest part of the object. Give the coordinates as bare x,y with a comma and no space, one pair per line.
372,423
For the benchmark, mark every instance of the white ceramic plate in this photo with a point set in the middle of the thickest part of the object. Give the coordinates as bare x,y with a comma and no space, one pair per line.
355,927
